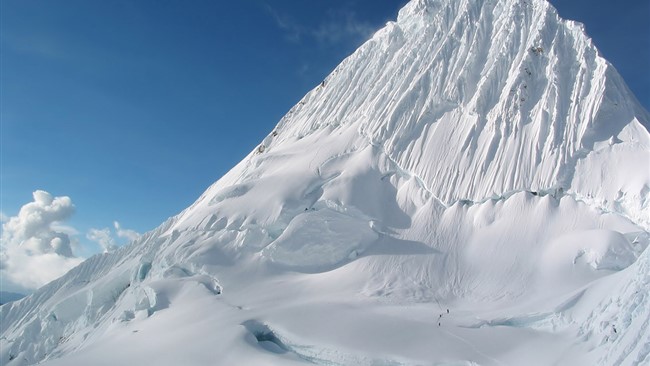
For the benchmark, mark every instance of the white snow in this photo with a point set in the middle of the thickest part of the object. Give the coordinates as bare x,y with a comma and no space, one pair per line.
470,187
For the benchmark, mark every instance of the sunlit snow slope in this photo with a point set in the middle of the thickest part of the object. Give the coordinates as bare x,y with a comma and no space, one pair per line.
470,187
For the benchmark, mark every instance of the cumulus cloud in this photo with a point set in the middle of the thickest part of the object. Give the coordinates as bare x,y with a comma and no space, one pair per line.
107,238
36,246
34,249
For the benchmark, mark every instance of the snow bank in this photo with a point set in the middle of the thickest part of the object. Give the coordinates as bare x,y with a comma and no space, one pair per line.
599,249
321,239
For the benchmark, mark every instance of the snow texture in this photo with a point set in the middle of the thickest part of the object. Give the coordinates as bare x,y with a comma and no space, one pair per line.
470,187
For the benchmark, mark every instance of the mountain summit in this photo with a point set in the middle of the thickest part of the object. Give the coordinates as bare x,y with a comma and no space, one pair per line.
470,187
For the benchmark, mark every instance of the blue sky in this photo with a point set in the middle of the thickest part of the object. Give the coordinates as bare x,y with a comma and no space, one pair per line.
133,108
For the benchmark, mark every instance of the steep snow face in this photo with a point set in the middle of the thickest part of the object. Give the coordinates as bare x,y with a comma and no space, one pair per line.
479,98
620,324
477,156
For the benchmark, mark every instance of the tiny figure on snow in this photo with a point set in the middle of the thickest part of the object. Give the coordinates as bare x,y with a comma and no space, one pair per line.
537,50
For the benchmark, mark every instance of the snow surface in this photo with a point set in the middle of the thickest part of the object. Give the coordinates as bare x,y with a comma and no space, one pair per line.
470,187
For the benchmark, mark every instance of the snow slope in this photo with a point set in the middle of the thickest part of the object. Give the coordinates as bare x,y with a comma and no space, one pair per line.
470,187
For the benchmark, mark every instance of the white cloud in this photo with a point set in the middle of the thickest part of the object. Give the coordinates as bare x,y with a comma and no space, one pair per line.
58,226
338,26
36,247
35,219
107,239
102,237
341,27
294,31
34,250
129,234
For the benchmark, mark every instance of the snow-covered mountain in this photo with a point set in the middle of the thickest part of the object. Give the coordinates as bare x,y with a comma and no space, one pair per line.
470,187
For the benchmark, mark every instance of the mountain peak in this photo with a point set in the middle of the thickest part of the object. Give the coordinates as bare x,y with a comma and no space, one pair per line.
473,163
456,81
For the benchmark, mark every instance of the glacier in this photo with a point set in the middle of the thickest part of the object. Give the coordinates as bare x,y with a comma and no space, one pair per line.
469,187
